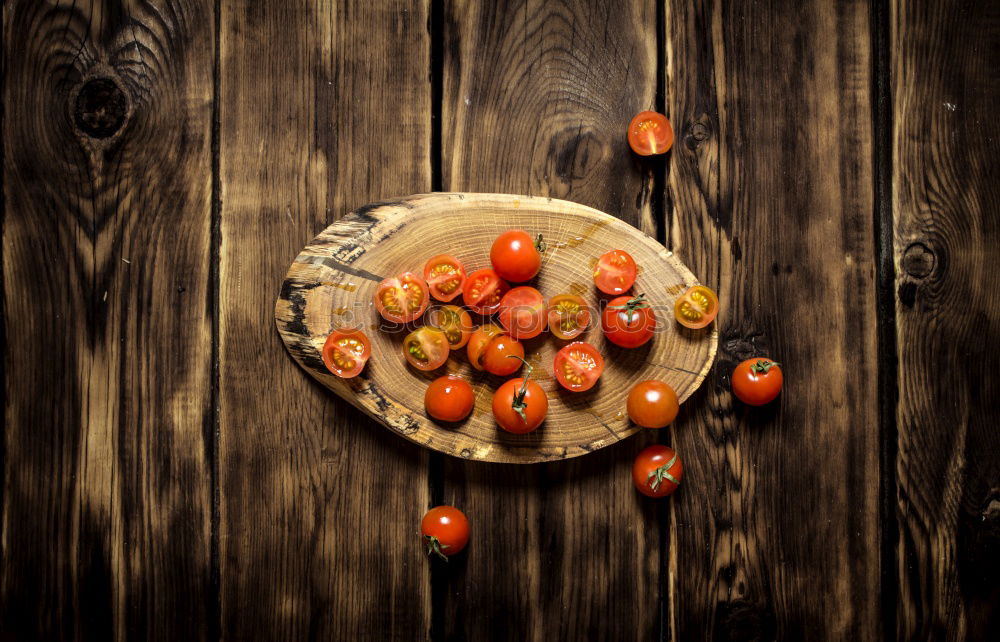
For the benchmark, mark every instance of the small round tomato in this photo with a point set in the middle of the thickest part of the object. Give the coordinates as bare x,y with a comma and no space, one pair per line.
516,256
757,381
449,398
483,290
499,356
426,348
346,352
657,471
578,366
652,404
650,133
444,275
614,272
569,316
402,298
445,530
628,321
696,307
454,321
522,312
478,342
520,405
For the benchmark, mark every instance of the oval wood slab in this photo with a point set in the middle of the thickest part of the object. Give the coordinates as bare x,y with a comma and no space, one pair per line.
332,282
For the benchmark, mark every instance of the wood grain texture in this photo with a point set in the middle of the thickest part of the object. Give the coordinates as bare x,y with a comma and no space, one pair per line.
776,532
106,235
537,97
946,205
319,505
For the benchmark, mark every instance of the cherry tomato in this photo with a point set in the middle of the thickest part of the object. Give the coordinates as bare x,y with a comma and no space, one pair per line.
483,290
449,398
696,307
516,256
657,471
444,275
499,356
569,316
426,348
614,272
346,352
402,298
628,321
446,531
520,404
652,404
650,133
578,366
454,321
757,381
478,342
522,312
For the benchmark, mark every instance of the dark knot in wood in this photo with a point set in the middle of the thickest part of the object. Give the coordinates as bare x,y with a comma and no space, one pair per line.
918,260
100,108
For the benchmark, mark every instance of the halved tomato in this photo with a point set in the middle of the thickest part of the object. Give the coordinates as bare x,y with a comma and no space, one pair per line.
569,316
444,275
483,290
614,272
522,312
402,298
454,321
697,307
578,366
426,348
478,342
346,352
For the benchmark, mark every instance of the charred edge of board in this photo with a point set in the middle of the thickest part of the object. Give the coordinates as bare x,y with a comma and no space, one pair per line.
297,304
353,248
334,264
290,286
364,213
307,355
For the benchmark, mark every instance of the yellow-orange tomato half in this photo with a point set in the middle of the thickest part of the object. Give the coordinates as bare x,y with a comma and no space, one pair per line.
697,307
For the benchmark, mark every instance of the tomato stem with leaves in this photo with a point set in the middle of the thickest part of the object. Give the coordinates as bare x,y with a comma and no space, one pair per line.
631,305
518,404
763,365
656,477
539,244
435,547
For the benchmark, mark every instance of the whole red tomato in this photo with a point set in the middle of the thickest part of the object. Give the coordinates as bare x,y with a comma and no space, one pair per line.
757,381
449,398
628,321
445,530
520,404
657,471
516,256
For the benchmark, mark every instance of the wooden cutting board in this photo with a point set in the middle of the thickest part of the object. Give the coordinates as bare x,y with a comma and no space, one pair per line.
332,282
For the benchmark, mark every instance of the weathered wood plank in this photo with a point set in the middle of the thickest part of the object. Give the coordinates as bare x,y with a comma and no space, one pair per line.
946,206
106,245
537,97
776,532
323,109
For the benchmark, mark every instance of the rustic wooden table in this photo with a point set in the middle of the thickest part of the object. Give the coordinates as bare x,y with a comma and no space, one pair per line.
169,473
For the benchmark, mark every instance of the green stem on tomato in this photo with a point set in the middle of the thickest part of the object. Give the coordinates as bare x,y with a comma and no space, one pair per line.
435,547
518,403
630,306
763,365
655,478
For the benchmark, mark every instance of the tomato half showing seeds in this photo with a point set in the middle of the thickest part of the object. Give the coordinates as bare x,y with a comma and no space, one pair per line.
516,256
650,133
578,366
757,381
614,272
483,290
444,275
346,352
402,298
696,307
520,404
445,530
522,312
628,321
652,404
569,316
454,321
657,471
426,348
449,398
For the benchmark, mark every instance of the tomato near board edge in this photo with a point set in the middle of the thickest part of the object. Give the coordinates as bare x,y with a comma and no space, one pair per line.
345,352
426,348
449,398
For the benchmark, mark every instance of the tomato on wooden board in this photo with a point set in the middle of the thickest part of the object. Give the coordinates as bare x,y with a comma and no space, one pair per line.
757,381
522,312
615,272
481,338
345,352
426,348
657,471
520,405
697,307
568,315
503,355
449,398
483,290
445,530
650,133
578,366
628,321
402,298
444,275
454,321
516,256
652,404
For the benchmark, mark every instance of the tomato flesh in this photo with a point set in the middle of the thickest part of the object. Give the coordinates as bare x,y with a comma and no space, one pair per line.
522,312
529,397
426,348
578,366
445,530
615,272
657,471
449,398
444,275
345,352
402,298
697,307
757,381
515,256
628,321
652,404
483,291
569,316
454,321
650,133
